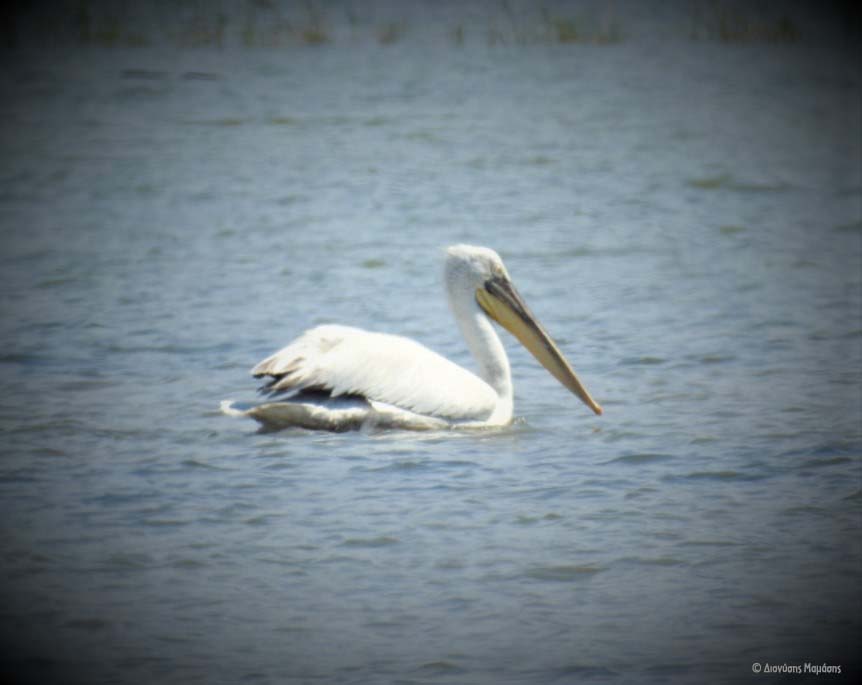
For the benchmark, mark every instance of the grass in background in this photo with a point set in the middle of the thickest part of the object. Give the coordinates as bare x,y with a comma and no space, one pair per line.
284,23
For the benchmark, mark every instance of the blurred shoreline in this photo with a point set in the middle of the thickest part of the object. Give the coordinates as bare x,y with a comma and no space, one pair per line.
283,23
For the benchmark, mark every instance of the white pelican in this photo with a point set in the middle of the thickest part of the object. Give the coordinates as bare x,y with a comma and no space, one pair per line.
339,378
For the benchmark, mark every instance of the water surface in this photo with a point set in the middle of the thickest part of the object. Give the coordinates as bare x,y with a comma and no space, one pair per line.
684,218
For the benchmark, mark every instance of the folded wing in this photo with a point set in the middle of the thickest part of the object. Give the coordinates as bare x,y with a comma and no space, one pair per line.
341,360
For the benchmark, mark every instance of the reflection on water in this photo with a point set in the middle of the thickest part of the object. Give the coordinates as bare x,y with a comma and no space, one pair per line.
682,214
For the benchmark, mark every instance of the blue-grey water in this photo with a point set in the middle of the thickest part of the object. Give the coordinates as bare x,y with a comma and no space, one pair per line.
684,217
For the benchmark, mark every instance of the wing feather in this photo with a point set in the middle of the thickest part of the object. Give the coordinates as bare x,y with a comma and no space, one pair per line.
380,367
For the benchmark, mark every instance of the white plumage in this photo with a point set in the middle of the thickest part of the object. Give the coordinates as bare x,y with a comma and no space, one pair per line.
381,367
335,377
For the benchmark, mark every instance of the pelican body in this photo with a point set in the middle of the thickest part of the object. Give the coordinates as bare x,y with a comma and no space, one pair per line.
338,378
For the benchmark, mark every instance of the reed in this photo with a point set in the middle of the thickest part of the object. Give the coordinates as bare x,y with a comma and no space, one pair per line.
731,25
390,33
285,23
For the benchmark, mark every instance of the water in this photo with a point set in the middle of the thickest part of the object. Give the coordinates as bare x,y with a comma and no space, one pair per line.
683,216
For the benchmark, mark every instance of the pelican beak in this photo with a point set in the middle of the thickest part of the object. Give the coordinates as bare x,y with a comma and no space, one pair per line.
500,301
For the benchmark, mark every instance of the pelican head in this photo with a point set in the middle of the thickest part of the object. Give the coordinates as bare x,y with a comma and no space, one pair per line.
477,278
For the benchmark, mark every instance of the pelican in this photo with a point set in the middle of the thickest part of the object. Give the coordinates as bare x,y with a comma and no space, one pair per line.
338,378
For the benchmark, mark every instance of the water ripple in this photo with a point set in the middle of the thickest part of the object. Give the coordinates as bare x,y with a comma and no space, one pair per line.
639,459
370,543
563,573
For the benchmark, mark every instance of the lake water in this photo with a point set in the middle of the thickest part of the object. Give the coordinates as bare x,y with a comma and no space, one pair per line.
684,217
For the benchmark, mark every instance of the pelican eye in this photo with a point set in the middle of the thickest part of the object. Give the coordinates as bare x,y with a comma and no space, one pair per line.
497,271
